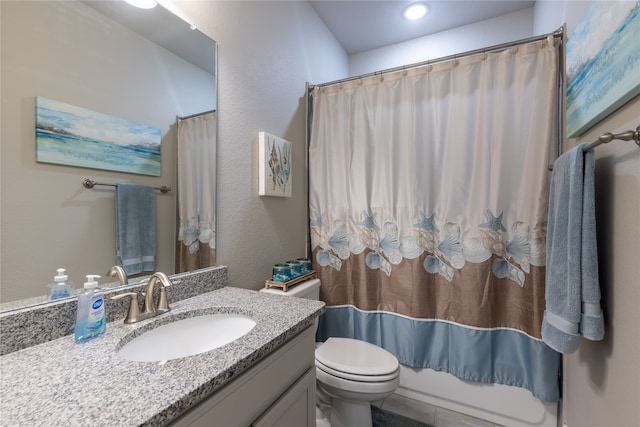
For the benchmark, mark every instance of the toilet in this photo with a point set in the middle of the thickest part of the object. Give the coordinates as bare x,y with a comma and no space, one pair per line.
350,373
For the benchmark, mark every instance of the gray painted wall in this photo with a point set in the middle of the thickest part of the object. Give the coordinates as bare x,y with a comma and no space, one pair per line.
267,51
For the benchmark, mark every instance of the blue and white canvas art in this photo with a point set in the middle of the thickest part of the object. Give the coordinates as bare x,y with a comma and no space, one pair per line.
603,63
74,136
274,166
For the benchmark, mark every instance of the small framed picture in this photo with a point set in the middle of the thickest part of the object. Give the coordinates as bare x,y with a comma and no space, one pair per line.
274,166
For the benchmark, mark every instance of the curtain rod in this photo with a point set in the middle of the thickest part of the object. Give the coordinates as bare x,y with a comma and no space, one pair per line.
89,183
195,115
559,33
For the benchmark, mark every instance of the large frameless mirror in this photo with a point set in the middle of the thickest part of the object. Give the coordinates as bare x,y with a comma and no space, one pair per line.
144,65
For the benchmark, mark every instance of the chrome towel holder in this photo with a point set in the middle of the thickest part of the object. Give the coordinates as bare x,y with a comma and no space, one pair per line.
607,137
89,183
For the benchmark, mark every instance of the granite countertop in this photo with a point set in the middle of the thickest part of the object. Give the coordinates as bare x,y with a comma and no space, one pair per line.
64,383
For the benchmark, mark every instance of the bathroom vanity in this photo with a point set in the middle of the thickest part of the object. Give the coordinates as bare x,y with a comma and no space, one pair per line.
264,378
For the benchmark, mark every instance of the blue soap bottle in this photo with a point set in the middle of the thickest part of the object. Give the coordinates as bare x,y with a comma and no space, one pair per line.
91,319
61,286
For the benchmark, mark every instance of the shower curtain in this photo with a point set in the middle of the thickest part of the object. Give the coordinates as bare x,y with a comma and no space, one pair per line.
196,243
428,203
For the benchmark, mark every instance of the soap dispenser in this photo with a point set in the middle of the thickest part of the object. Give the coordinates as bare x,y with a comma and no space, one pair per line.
91,317
61,286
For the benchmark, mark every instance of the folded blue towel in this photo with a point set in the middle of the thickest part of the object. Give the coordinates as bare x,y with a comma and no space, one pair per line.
135,228
572,287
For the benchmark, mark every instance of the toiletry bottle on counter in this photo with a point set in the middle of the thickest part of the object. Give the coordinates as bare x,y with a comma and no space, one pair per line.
61,286
91,318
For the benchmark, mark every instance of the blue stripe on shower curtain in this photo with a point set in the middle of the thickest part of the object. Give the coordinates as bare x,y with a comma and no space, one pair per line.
509,356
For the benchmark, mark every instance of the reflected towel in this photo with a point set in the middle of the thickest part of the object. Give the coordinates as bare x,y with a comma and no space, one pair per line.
135,228
572,287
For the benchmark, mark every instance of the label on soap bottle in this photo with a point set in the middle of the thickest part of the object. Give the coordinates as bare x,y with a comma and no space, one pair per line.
95,319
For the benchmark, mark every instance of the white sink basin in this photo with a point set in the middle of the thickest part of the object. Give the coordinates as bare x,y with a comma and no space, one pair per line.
187,337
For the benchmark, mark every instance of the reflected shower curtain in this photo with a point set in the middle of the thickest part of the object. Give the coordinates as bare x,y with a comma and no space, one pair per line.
428,204
196,245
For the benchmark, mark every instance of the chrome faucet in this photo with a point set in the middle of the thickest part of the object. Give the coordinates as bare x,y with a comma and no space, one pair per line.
118,271
149,309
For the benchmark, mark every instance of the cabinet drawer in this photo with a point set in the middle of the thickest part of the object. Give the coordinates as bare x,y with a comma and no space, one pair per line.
243,400
295,408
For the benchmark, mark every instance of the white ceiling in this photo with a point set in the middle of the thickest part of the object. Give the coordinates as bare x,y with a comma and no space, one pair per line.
362,25
358,25
164,28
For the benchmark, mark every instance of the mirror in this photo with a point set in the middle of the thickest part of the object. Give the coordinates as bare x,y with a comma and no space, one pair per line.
146,66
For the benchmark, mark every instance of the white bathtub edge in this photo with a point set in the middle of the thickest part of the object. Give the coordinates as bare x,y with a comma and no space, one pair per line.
504,405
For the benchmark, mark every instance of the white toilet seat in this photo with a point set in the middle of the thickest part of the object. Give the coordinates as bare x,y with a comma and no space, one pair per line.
355,359
351,367
355,377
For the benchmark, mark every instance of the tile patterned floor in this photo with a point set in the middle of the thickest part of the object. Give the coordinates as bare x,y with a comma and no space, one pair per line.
435,416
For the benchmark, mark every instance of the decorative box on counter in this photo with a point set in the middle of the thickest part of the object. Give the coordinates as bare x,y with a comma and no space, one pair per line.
286,285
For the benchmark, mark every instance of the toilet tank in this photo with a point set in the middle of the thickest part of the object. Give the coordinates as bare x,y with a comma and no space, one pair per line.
309,290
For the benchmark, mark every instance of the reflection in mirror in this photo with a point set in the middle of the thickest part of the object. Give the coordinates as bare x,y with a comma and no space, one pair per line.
108,57
196,246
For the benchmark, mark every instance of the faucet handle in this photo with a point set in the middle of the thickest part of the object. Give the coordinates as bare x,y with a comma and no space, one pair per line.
134,310
163,303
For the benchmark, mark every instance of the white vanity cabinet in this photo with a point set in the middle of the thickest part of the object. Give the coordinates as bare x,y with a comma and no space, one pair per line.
277,391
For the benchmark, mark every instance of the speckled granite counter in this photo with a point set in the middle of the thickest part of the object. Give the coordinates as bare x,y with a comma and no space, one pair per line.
64,383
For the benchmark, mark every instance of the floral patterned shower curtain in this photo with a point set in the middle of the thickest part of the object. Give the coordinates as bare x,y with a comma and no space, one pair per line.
196,244
428,203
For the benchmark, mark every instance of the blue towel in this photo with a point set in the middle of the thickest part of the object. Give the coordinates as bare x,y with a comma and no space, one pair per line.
572,287
135,228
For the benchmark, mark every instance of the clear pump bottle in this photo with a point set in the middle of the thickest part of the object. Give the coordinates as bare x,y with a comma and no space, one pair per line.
61,286
91,317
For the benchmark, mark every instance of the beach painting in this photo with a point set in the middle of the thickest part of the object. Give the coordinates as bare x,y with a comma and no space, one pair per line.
74,136
274,166
603,63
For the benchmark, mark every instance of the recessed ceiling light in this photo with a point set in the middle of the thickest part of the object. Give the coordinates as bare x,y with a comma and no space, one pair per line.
143,4
415,11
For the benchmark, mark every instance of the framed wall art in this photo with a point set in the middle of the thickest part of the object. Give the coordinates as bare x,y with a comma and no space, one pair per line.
74,136
274,169
603,60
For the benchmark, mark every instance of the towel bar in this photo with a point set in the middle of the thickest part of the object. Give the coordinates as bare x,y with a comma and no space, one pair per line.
89,183
605,138
608,137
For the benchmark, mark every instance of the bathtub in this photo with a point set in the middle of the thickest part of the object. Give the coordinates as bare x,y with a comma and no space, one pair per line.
505,405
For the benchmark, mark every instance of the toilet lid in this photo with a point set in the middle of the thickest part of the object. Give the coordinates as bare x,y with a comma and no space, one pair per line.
356,357
356,378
